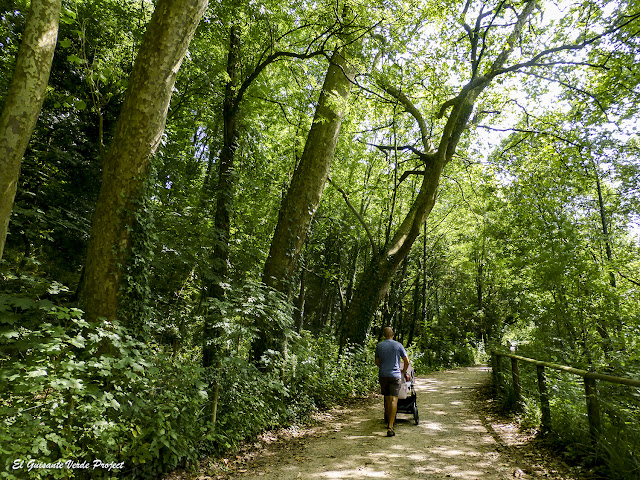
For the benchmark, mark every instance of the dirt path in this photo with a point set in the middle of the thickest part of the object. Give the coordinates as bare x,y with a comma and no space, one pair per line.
452,440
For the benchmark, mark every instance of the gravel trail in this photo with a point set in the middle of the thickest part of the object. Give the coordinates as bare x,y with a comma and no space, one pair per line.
452,440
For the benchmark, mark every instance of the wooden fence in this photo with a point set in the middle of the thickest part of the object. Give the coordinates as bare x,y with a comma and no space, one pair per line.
590,387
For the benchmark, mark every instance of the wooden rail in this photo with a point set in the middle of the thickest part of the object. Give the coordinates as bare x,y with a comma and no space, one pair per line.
590,387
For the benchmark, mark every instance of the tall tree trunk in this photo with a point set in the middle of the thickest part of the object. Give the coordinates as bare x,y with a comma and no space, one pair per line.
307,185
603,223
601,323
24,99
417,289
309,179
425,300
298,304
137,136
224,199
376,278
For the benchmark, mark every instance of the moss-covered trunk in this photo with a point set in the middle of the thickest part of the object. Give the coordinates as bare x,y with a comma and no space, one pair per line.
307,185
224,203
137,136
24,99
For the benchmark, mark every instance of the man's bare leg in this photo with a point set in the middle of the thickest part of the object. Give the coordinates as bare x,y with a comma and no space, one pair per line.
393,408
390,408
387,408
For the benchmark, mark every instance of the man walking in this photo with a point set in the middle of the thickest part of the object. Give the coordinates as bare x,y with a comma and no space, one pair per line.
388,356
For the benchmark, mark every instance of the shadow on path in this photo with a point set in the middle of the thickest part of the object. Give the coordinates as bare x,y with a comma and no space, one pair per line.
449,442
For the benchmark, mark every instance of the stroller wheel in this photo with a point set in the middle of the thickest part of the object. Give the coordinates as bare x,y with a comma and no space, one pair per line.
415,414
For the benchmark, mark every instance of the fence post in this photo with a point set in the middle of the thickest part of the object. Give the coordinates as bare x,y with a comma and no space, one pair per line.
593,408
544,400
517,390
494,370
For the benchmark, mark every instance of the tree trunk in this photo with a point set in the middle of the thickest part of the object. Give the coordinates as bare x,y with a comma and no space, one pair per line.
377,276
415,304
24,99
309,179
298,313
307,185
224,200
137,136
601,324
603,222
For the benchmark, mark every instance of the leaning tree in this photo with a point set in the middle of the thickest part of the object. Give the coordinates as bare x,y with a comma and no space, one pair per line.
504,40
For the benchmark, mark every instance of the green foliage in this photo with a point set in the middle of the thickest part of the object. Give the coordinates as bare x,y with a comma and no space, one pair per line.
308,377
615,455
135,290
443,347
309,373
77,391
513,250
320,371
12,22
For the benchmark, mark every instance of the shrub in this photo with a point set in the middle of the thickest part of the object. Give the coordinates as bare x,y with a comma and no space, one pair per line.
84,392
78,391
615,454
311,375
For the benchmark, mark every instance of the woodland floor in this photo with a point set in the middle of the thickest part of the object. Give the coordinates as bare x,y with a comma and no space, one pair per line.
460,436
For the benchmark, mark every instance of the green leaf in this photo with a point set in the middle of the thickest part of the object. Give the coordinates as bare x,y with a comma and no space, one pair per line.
78,341
23,302
10,334
73,58
137,367
46,305
39,372
67,16
40,445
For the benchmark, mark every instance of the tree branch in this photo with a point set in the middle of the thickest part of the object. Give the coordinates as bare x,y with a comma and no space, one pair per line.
532,132
534,61
423,156
635,282
265,63
410,172
374,248
497,66
484,35
400,96
570,87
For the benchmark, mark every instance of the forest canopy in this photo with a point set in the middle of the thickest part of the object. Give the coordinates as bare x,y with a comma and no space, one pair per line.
202,198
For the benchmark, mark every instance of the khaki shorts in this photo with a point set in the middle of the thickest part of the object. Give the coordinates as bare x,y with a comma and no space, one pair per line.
390,386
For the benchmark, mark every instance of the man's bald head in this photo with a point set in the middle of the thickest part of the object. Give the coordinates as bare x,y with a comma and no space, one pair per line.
387,332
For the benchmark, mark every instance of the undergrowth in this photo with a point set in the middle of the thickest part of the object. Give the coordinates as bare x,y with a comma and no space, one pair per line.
93,395
616,452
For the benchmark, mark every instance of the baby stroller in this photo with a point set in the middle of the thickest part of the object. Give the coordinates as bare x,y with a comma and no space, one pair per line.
409,403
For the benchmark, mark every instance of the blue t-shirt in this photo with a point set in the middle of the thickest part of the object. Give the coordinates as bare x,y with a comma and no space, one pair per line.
390,353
